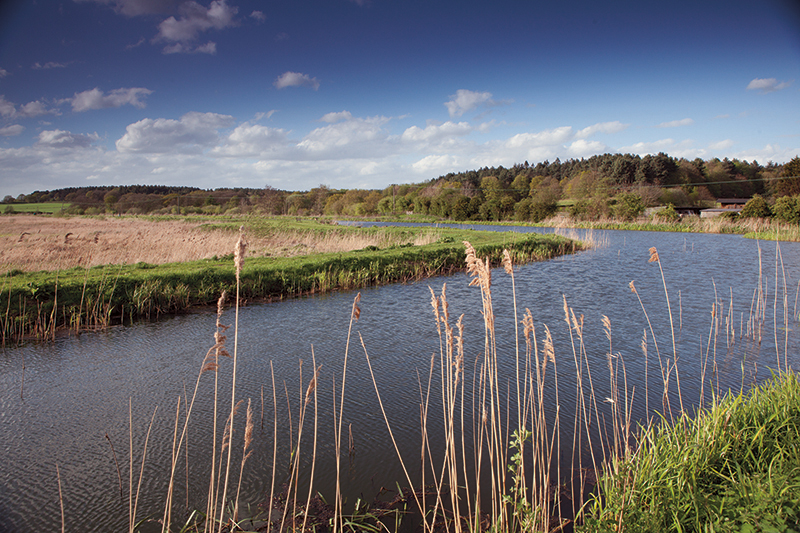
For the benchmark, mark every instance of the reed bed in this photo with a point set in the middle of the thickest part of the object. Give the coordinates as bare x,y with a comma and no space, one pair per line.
32,243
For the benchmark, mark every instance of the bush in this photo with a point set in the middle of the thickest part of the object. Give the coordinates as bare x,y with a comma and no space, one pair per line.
668,214
787,209
629,206
756,207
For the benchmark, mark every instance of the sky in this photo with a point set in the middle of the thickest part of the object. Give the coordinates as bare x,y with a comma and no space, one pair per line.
293,94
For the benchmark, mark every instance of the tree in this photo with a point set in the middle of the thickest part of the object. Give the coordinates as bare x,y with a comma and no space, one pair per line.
629,206
789,184
756,207
787,209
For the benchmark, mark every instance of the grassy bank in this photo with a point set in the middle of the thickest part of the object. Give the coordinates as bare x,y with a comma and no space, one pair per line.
735,467
39,303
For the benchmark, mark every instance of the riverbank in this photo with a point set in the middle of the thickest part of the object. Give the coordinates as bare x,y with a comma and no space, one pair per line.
734,467
40,303
752,228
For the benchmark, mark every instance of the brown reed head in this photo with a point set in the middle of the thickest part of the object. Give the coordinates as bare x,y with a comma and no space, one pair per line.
632,287
653,255
508,266
356,310
239,251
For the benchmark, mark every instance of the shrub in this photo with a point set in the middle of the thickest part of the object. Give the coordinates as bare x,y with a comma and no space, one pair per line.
787,209
756,207
668,214
628,206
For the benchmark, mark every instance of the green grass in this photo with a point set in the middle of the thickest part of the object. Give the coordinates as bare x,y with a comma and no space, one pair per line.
735,467
49,207
38,303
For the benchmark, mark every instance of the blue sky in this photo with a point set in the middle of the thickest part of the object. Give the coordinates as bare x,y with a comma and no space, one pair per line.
366,93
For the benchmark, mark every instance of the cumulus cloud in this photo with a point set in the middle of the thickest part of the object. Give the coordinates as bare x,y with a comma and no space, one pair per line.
331,118
252,140
193,132
96,99
195,19
348,138
29,110
551,137
180,48
435,164
465,100
601,127
66,139
767,85
436,132
676,123
258,15
296,79
584,148
11,131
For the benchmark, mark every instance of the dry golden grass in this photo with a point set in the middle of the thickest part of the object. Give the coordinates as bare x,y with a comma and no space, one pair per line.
32,243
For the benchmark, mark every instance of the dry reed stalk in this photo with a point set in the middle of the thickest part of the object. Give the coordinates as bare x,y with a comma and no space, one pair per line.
141,470
60,500
312,386
248,440
239,253
119,474
274,443
355,313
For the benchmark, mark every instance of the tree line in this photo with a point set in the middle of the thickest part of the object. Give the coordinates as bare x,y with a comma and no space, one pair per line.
609,185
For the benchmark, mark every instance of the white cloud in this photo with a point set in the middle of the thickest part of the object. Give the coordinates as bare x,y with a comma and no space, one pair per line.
676,123
296,79
436,133
601,127
3,73
330,118
11,131
252,140
465,100
584,148
29,110
552,137
258,15
96,99
435,164
357,137
66,139
194,20
194,132
7,109
721,145
767,85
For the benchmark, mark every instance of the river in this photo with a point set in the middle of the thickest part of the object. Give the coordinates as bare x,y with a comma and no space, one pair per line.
73,405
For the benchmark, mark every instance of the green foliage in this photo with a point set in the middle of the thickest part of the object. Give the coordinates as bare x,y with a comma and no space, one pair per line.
756,207
787,209
668,214
789,184
628,206
735,467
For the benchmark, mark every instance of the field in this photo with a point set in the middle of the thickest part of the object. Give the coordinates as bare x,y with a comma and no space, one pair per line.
31,243
41,207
